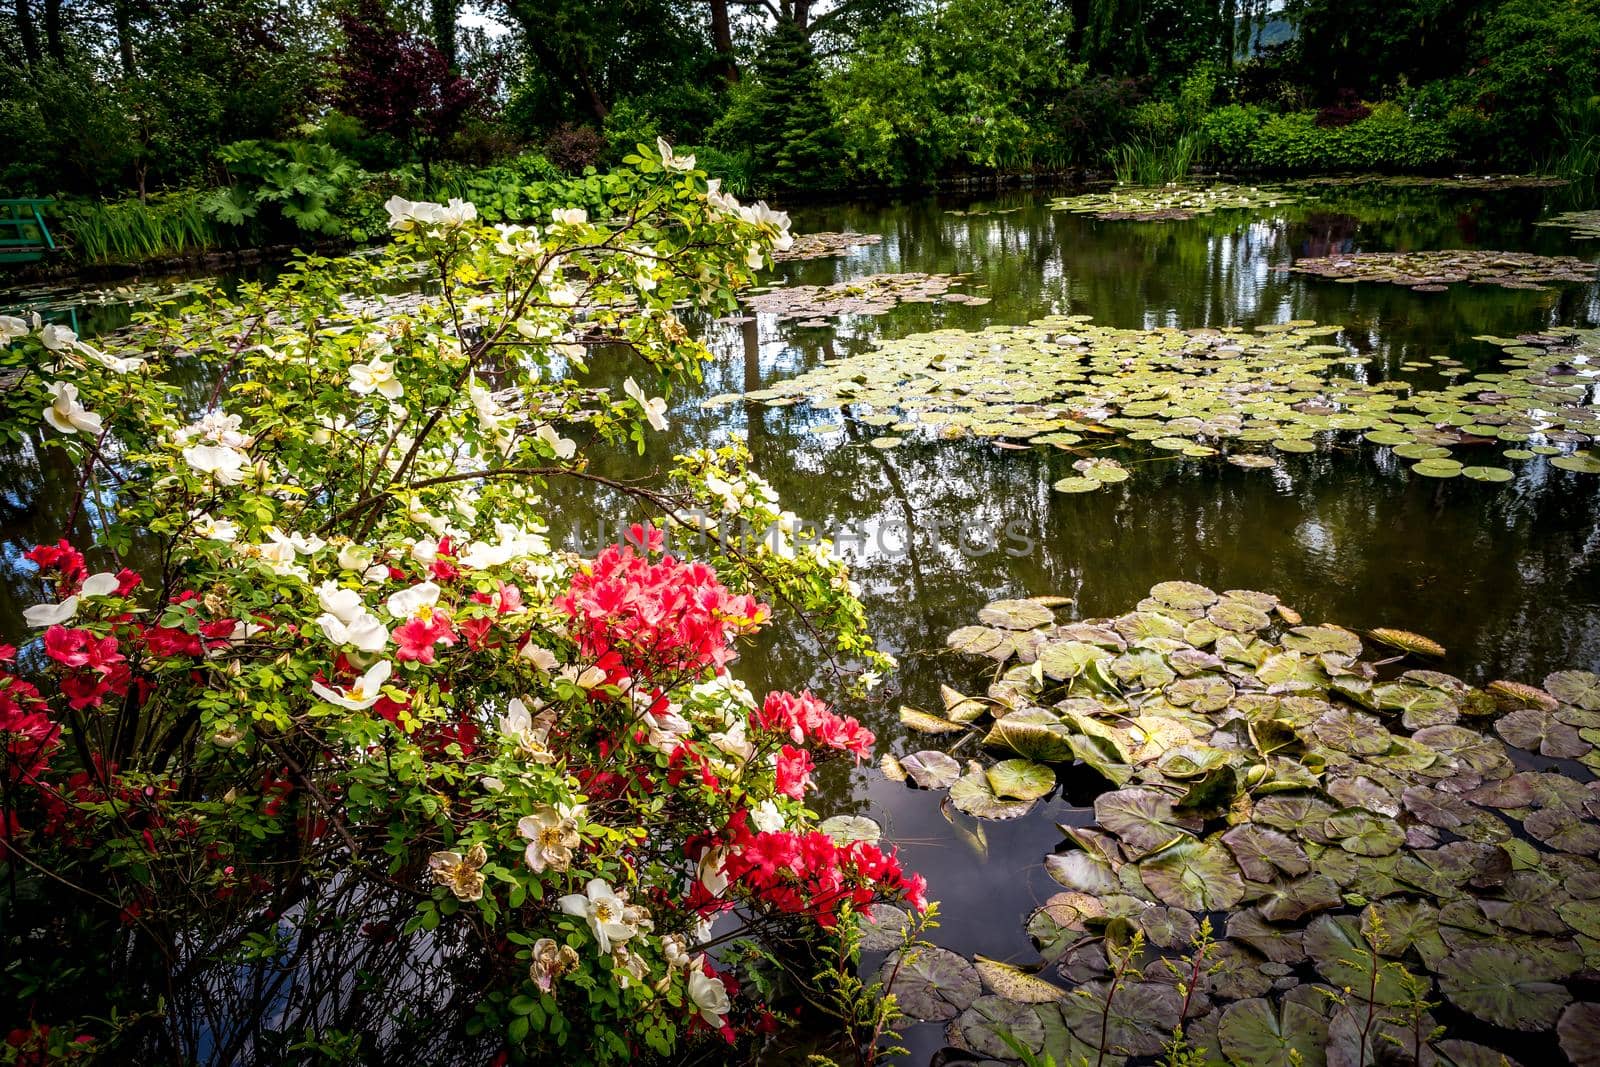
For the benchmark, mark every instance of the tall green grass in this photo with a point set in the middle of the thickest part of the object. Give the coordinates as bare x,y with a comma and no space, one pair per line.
1577,160
133,231
1142,162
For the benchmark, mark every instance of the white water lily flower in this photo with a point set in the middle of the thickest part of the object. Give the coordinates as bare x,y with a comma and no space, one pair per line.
103,584
563,447
709,995
51,614
551,839
364,631
570,216
66,414
654,407
365,692
225,464
671,161
604,911
409,603
376,377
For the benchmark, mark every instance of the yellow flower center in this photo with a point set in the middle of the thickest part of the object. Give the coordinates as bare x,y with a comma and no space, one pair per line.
550,837
602,913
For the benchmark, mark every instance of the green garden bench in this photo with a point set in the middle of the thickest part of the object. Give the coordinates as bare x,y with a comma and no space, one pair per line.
24,237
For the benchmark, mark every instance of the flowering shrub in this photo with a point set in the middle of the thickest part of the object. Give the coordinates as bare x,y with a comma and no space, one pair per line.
356,688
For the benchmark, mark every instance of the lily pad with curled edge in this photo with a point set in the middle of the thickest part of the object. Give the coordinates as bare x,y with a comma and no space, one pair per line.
980,1028
1502,986
1512,695
1487,474
1579,462
847,828
923,722
1580,688
1016,614
1014,983
1258,1033
972,794
1540,731
1035,734
1076,484
1261,852
1021,779
1183,595
1082,872
891,768
931,769
883,927
1193,874
1407,641
975,640
1579,1031
1143,818
932,985
1135,1022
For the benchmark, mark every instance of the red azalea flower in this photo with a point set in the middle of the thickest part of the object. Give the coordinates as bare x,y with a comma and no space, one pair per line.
794,771
417,637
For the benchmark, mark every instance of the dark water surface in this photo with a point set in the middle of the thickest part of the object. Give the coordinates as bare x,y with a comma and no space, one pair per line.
1506,577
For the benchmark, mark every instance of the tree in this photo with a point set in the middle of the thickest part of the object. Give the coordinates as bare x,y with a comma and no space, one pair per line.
400,83
783,120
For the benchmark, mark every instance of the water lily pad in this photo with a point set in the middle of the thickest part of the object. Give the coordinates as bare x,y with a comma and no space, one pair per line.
883,927
1579,1030
1021,779
1581,688
1014,983
1016,614
1082,872
1540,731
931,984
1144,818
1076,484
980,1027
1192,874
923,722
1488,474
973,795
1580,462
1502,986
1289,1035
847,828
974,640
1261,852
1134,1018
1407,641
931,769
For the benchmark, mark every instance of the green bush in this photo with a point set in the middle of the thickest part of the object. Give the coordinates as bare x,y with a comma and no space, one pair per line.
1230,133
1388,139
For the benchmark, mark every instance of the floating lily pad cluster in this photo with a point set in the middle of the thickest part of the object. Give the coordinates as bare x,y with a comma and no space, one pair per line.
825,244
1066,382
1170,202
872,294
1368,837
1436,271
1585,225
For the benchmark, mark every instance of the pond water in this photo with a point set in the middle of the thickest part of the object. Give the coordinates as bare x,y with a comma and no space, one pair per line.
1505,576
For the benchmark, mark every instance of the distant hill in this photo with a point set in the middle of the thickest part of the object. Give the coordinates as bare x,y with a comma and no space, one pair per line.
1275,30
